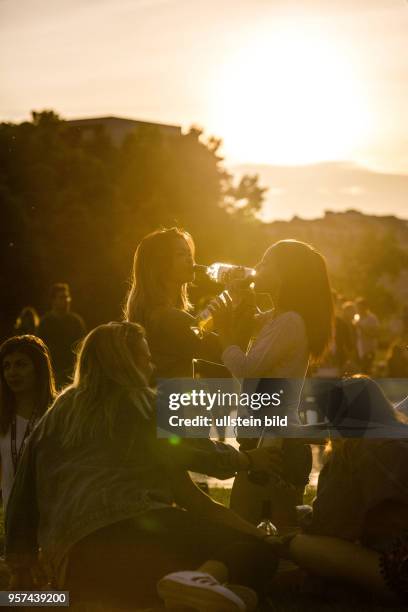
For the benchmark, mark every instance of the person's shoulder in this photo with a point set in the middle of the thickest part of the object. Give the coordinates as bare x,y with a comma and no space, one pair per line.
47,316
168,315
403,407
290,320
55,415
47,324
74,319
387,455
74,316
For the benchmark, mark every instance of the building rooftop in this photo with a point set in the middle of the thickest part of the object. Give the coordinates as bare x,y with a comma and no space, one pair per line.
120,127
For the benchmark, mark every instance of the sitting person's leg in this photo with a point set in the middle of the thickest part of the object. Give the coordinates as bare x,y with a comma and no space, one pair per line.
222,555
332,557
124,561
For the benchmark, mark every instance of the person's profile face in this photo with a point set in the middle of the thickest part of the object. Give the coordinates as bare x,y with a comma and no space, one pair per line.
19,372
182,265
267,279
62,301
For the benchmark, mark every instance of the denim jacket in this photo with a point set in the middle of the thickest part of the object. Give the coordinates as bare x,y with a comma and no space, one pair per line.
62,494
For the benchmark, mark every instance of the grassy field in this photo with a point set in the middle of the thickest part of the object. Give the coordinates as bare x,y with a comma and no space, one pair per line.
222,495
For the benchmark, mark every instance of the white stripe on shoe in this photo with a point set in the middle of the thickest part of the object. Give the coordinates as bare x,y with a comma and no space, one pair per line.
198,591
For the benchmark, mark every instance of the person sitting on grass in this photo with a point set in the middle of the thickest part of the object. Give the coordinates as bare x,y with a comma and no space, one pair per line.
358,531
112,507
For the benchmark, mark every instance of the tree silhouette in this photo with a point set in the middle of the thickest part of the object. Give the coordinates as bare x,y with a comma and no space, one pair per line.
74,207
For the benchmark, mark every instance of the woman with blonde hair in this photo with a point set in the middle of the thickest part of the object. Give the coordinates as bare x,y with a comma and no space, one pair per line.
97,490
162,269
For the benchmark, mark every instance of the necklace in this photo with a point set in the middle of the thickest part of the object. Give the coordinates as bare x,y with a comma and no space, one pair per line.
16,454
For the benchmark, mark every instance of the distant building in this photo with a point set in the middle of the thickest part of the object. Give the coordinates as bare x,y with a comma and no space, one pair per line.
118,128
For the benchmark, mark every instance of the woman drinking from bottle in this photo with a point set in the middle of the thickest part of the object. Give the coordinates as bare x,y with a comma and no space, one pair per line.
286,340
158,300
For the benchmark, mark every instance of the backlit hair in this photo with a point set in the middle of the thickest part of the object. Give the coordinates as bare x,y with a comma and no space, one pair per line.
305,289
106,376
151,265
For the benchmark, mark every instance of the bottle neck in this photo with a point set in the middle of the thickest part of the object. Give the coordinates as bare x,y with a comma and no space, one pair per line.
201,269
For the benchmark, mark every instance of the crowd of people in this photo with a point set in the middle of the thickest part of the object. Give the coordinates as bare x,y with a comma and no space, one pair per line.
98,505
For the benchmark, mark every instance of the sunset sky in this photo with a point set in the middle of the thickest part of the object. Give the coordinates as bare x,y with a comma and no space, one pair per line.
281,82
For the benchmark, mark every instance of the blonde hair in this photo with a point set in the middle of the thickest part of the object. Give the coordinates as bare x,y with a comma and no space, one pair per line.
106,375
152,261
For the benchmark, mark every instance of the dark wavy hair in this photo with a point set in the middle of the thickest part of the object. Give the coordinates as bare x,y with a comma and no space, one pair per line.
45,393
152,261
305,289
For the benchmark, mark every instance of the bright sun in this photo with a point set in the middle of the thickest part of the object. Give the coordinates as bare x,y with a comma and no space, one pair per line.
290,97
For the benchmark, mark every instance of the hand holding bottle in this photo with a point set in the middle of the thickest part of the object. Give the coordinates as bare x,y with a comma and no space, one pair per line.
237,280
223,317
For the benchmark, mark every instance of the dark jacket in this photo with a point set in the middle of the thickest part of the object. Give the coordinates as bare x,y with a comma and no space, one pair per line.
60,495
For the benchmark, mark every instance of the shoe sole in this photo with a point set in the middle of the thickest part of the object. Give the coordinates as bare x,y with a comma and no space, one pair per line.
197,598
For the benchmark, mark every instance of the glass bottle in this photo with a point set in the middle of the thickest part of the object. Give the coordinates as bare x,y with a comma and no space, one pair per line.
266,523
224,273
204,319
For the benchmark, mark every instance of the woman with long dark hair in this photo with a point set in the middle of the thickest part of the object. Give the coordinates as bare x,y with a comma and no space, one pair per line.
97,492
285,342
26,391
297,332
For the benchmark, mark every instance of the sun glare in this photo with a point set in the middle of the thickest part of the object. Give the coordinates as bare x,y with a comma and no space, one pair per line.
291,96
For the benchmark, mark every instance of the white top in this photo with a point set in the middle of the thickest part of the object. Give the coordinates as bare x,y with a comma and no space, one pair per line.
280,350
7,469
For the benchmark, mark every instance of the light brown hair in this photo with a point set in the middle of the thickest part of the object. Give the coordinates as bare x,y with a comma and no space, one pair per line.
152,261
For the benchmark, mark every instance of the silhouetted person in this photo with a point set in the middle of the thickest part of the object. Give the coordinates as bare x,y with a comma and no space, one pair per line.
397,362
404,332
367,326
61,330
27,321
341,347
348,313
